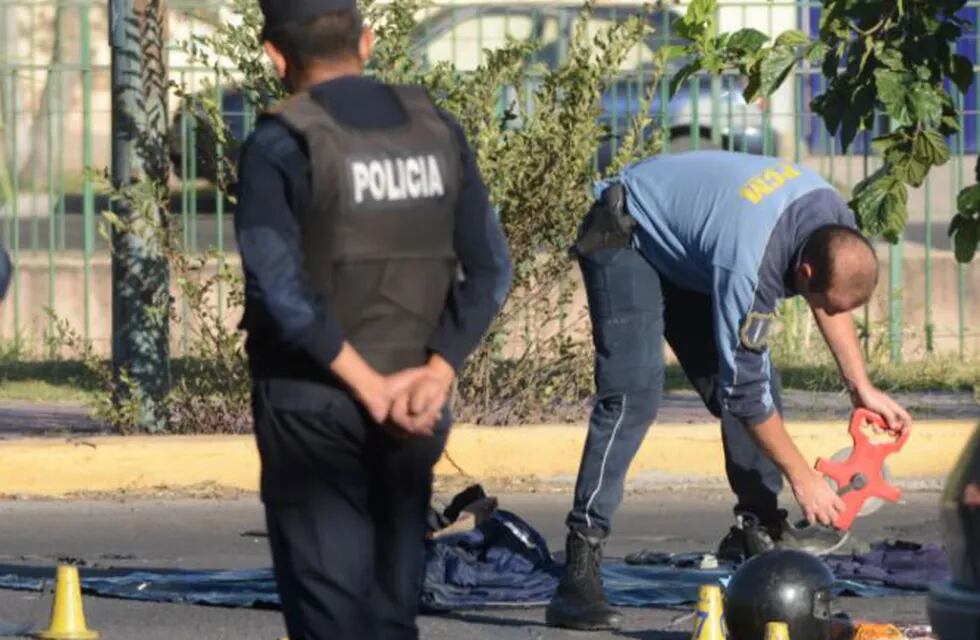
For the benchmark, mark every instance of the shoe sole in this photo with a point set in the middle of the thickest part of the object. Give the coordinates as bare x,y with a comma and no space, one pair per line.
582,627
561,624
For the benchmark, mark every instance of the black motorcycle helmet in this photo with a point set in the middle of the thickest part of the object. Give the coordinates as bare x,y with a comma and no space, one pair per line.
780,586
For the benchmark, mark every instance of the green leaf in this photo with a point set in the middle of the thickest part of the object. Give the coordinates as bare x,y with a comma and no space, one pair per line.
965,232
712,63
949,123
747,40
905,165
671,52
962,72
817,52
775,67
880,204
793,38
701,10
882,143
913,172
892,59
969,200
862,103
894,93
832,105
850,125
929,147
751,91
683,74
927,102
831,62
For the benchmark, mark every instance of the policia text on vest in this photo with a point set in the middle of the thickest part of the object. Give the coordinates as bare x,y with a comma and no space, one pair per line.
389,180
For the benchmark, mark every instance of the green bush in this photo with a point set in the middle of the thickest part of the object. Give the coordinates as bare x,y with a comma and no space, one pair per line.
535,132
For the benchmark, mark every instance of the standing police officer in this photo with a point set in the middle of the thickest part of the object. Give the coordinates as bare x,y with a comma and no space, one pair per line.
373,265
699,248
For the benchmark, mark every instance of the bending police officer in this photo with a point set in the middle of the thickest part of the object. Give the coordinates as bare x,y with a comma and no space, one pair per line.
698,249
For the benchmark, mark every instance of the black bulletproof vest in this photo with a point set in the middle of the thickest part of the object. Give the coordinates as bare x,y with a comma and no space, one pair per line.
378,237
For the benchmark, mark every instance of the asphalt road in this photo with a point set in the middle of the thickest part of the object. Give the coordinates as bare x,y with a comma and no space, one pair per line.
221,534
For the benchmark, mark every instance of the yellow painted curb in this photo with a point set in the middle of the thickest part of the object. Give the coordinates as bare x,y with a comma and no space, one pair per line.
682,450
49,467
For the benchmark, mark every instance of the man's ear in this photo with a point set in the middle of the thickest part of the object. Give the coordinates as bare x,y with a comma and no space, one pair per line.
804,273
275,55
365,45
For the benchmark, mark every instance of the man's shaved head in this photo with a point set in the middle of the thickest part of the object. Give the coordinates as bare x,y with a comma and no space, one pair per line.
839,269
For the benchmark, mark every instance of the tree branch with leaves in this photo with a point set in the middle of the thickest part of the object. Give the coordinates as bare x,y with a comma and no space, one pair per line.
878,56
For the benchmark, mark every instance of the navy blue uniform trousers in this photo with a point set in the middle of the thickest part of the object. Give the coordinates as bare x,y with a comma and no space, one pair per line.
346,507
633,309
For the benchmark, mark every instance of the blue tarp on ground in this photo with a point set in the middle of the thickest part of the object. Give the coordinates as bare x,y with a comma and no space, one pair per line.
503,562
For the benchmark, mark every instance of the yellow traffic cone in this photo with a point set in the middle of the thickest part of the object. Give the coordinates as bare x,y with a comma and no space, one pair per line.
67,616
708,616
777,631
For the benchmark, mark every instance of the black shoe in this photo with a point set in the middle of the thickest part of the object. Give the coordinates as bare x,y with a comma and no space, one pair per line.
579,603
750,537
747,538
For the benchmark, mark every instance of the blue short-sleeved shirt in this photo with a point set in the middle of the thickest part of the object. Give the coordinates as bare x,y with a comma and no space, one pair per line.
731,226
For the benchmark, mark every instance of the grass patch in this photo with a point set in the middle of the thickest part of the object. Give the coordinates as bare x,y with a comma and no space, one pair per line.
70,381
938,374
51,381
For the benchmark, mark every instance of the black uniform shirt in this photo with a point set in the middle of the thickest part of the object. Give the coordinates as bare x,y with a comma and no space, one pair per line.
291,332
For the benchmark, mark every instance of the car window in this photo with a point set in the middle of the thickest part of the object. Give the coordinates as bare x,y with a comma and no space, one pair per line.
463,43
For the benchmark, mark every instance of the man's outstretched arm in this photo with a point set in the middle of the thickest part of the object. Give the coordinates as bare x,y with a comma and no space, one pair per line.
747,395
839,332
818,501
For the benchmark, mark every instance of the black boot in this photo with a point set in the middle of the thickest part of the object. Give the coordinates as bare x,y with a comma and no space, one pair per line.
579,602
747,538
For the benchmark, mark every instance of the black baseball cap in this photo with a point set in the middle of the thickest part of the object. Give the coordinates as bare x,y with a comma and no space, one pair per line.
282,12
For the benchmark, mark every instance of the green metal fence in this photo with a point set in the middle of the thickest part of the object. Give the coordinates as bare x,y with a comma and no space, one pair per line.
55,119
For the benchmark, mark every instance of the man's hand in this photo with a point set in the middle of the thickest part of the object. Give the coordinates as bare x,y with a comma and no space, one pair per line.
870,398
378,393
819,502
420,407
